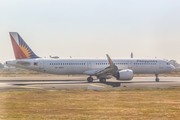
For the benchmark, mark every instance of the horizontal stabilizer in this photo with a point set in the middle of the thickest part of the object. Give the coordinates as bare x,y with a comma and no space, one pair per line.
23,63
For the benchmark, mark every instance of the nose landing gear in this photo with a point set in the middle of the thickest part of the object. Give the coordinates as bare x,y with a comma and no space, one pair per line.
157,79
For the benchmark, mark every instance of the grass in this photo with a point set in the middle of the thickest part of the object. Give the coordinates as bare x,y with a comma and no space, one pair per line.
161,104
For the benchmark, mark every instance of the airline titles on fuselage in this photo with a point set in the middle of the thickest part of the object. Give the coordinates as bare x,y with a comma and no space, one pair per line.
146,61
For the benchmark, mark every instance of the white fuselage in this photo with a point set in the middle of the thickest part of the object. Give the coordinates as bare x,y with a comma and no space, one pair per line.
80,66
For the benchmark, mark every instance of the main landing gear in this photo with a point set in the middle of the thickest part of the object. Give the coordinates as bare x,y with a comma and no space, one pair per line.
102,80
90,79
157,79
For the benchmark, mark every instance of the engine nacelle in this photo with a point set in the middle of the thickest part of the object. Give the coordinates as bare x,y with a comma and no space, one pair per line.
124,75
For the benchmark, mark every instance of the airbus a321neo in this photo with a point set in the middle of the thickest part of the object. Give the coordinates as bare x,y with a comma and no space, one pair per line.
121,69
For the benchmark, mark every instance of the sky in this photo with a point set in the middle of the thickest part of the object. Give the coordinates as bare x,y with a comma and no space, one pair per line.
92,28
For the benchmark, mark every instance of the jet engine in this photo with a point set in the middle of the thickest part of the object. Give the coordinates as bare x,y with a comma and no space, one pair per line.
126,74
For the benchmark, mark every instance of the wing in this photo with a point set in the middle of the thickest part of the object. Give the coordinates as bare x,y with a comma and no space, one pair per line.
105,72
108,71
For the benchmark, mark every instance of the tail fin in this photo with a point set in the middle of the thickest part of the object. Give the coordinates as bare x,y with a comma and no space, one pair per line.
21,49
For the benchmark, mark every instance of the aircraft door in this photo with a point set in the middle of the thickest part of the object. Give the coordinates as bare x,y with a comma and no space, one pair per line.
41,64
161,65
129,65
89,64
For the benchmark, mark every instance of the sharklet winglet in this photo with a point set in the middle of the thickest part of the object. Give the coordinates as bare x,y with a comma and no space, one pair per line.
109,59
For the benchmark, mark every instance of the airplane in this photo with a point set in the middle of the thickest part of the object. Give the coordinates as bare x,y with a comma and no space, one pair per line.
121,69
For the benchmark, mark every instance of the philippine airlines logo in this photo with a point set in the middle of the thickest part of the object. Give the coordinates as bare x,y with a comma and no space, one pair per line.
26,49
21,49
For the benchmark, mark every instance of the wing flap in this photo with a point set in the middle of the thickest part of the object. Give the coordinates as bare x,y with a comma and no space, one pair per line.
92,72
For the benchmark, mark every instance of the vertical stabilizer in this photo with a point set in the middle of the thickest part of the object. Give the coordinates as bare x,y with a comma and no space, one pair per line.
21,49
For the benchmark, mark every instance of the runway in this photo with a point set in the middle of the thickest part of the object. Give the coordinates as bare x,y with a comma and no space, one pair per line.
60,83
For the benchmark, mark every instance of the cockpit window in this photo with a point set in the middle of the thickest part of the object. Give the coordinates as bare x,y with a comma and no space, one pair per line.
167,63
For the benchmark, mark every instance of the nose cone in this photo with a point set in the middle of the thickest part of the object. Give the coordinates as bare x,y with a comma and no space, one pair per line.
172,68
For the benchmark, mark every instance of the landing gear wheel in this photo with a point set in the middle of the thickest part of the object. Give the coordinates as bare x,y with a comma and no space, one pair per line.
157,79
90,79
102,80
